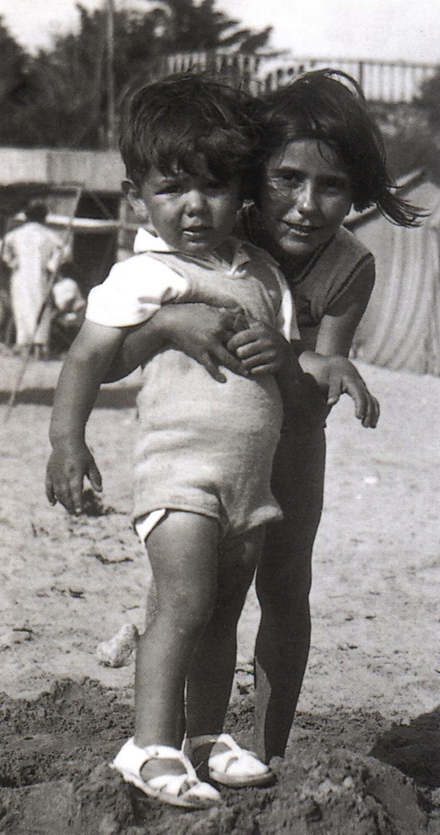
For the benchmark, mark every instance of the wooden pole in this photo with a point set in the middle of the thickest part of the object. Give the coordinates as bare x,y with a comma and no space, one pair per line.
110,79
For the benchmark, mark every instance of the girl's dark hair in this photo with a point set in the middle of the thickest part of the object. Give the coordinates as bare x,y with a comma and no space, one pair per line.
329,106
171,122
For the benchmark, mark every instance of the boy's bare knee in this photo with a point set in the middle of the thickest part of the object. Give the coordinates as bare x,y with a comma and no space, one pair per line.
189,610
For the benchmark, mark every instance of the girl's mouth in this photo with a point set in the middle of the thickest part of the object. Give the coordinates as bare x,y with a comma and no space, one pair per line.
302,229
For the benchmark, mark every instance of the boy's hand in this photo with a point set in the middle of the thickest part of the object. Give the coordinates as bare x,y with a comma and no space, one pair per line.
66,468
260,349
342,377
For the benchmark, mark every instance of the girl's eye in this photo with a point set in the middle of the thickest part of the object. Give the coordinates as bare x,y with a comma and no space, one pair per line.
285,181
215,185
335,186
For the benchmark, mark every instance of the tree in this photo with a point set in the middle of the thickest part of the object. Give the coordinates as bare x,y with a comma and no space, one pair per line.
14,85
66,103
429,101
416,141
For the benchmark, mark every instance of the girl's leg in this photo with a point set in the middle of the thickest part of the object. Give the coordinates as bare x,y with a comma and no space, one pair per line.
183,552
212,666
283,586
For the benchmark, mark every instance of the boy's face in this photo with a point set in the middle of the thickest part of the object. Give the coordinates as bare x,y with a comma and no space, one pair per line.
305,197
193,213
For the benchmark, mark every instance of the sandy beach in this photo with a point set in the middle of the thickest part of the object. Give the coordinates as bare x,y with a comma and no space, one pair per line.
364,754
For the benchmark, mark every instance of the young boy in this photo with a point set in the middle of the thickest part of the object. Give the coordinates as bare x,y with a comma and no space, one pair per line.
205,451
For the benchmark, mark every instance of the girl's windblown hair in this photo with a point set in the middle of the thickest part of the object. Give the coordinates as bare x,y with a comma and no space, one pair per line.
173,122
329,106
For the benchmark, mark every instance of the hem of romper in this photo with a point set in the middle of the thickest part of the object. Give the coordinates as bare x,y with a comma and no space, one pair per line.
147,521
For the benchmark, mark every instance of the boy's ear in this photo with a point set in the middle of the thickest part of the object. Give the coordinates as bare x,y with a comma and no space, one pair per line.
135,201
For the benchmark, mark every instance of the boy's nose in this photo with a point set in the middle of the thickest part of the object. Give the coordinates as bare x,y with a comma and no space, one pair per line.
195,202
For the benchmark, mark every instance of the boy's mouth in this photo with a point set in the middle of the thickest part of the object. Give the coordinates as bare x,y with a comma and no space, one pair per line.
195,232
196,229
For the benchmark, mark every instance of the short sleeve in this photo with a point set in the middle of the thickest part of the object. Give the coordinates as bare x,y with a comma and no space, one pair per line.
133,291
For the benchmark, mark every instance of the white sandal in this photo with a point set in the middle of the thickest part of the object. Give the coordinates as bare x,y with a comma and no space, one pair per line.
233,766
177,789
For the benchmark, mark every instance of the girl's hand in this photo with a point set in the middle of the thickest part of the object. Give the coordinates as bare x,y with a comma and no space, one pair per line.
66,468
260,349
203,333
344,378
336,375
198,330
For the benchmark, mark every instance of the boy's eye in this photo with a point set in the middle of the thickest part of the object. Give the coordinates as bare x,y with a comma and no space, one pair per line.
170,188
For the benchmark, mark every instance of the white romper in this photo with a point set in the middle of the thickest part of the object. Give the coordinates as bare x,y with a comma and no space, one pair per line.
204,447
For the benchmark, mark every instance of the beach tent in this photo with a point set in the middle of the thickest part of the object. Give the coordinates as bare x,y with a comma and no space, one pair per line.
401,326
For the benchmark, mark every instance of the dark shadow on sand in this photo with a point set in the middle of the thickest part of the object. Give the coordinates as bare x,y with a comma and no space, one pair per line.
108,398
414,749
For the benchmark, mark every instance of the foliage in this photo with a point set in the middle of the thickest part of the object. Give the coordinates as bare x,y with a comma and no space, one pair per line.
67,87
13,85
429,101
408,136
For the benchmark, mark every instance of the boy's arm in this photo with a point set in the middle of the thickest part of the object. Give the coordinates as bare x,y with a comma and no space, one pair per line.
83,371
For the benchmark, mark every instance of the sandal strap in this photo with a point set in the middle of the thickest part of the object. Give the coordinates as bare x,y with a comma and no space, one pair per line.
166,752
222,760
139,756
183,789
173,784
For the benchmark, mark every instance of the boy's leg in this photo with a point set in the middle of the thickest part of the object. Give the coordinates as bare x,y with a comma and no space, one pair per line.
283,586
212,666
183,552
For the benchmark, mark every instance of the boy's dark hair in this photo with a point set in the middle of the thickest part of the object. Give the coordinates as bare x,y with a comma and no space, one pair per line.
171,122
329,106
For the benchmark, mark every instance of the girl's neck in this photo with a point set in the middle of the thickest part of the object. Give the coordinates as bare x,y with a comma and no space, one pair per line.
292,267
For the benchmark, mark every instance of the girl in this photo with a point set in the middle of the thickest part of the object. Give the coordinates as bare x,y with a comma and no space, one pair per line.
323,155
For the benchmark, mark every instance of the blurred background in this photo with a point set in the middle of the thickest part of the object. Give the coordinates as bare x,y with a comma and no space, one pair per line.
65,66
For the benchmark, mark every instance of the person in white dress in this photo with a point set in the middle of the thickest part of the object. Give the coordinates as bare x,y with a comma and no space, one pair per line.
32,252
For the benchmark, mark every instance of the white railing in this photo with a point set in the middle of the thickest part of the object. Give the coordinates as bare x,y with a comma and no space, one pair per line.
381,81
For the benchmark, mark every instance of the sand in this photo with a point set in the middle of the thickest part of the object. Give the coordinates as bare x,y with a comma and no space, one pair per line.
364,754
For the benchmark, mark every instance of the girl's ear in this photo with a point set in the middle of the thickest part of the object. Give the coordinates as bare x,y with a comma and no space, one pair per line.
135,201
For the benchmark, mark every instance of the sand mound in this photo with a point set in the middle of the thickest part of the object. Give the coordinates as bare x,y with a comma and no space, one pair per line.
361,759
55,778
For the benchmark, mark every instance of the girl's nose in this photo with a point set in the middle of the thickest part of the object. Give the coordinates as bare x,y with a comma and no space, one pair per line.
306,199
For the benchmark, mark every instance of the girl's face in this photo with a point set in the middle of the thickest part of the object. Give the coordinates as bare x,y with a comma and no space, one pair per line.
305,197
193,213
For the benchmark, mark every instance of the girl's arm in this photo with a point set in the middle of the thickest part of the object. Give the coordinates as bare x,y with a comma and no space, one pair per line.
82,374
333,373
336,331
329,364
198,330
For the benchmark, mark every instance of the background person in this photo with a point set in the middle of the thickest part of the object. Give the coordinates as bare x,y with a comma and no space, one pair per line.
68,308
32,253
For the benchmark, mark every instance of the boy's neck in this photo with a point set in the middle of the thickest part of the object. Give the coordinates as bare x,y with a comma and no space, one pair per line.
223,253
